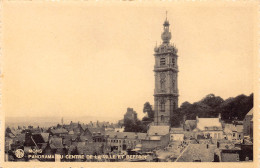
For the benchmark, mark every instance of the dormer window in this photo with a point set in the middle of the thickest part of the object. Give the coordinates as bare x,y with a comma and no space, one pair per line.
162,61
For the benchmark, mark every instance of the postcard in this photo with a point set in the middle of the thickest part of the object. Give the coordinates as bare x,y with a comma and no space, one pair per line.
129,83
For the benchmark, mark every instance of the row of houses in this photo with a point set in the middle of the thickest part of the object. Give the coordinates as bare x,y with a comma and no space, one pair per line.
215,128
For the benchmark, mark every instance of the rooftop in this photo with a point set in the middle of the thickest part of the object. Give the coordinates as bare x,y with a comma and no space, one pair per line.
128,135
197,152
202,123
250,112
158,130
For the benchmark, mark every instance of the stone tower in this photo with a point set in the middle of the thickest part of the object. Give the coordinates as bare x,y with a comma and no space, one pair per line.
166,78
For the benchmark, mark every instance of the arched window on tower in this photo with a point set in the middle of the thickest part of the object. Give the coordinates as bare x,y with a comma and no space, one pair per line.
173,61
162,106
162,118
162,61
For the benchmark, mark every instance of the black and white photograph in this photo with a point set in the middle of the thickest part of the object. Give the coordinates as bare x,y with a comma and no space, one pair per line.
129,81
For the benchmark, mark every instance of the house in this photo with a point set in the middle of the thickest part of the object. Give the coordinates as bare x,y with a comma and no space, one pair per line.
197,153
56,146
121,142
36,139
155,142
176,134
234,132
97,134
158,130
248,124
210,127
230,154
8,143
58,132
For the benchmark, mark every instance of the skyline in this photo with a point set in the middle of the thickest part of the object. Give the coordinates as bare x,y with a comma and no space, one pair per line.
99,61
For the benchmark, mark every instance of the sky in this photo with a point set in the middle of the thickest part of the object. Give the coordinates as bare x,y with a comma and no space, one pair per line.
96,59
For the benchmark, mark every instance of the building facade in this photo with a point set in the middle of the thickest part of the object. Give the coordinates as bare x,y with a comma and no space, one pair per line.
248,124
166,75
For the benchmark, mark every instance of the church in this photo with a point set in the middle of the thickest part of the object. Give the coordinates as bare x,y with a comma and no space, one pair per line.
166,78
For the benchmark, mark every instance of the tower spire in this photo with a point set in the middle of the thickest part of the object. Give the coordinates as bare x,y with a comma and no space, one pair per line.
166,35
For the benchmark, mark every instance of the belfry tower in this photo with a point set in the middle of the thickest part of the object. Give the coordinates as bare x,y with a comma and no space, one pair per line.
166,78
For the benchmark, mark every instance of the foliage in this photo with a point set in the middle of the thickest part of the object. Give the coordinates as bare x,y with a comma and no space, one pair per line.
134,126
8,130
148,109
211,105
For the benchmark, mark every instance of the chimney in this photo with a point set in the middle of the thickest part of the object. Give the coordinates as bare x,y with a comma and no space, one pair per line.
197,118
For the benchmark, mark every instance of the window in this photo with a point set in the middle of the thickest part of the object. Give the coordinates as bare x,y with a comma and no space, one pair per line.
162,118
162,106
173,61
162,61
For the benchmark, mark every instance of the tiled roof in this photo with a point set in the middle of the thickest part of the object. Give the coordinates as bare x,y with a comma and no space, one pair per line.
20,137
71,132
16,132
84,127
66,142
97,130
250,112
45,136
56,143
202,123
59,131
197,152
158,130
43,146
128,135
176,130
38,138
229,128
84,138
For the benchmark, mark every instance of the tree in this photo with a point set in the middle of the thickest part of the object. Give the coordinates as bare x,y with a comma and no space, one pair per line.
8,130
134,126
211,105
148,109
212,100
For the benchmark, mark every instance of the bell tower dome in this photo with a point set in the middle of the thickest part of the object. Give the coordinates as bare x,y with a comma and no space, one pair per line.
166,35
